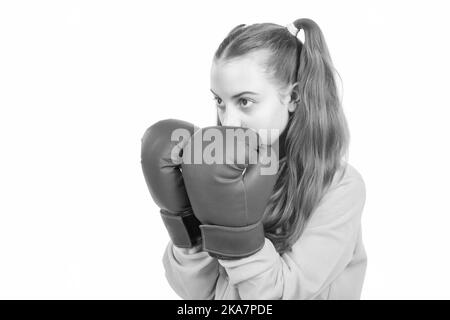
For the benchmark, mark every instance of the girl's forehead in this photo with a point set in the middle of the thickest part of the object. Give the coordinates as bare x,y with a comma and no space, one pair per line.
244,74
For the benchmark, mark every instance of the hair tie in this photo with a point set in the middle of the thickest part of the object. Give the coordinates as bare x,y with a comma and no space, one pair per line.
292,29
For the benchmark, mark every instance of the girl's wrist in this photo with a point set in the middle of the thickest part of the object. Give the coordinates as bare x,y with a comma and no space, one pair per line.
192,250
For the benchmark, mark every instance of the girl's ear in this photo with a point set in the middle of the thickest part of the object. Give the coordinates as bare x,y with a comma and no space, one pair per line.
295,97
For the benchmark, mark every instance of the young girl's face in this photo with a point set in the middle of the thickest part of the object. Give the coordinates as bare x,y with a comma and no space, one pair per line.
245,97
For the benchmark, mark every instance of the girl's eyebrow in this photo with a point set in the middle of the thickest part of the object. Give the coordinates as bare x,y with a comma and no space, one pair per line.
239,94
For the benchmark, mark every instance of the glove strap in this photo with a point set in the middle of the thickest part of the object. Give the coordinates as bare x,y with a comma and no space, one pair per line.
183,228
230,243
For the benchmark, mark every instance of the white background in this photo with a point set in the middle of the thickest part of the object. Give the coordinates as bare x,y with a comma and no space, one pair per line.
80,81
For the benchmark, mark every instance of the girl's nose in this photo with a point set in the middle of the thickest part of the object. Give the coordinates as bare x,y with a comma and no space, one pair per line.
231,118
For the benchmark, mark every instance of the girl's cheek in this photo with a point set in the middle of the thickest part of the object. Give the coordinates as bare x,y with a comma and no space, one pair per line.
220,115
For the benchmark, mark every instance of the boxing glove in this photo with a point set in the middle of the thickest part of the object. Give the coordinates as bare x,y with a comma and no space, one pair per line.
161,150
228,198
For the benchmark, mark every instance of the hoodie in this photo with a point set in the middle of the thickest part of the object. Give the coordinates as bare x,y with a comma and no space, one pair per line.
327,262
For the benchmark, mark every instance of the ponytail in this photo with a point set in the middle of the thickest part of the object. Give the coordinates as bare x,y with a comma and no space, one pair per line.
317,135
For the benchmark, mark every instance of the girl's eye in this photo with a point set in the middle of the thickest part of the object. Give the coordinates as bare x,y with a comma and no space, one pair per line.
217,99
245,102
246,105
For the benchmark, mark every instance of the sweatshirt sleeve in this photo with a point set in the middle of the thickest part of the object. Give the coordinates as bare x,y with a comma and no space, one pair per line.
191,276
317,258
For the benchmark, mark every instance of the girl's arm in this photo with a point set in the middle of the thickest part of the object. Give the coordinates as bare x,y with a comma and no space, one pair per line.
191,273
320,255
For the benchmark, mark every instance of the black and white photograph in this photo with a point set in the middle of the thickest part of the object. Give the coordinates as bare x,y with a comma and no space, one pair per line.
224,150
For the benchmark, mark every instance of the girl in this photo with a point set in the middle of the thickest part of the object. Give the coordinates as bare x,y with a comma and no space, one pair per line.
263,77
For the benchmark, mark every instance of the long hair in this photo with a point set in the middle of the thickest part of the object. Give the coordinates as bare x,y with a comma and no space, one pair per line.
317,135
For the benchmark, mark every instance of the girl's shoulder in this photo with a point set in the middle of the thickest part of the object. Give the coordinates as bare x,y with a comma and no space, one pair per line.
347,176
344,198
346,189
